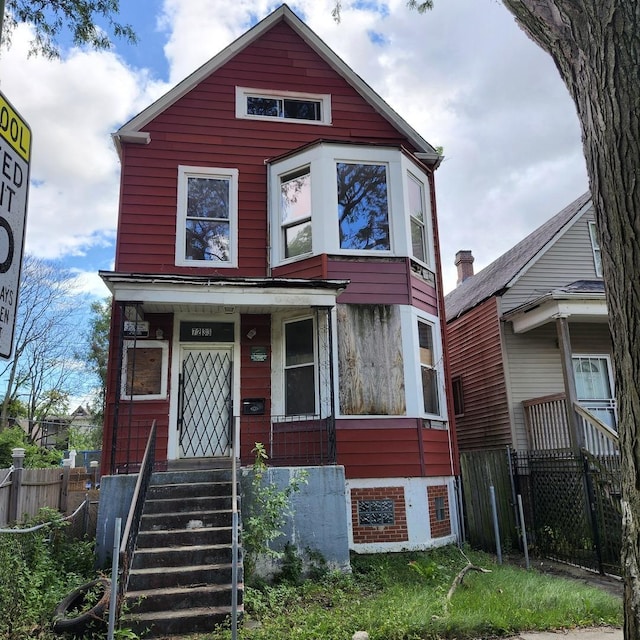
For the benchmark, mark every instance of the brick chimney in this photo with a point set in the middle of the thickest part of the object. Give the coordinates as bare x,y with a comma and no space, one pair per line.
464,262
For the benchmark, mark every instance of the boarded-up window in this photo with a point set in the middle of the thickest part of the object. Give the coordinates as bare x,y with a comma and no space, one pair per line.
370,365
144,370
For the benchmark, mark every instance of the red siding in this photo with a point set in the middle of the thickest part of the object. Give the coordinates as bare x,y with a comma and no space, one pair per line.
314,267
373,281
255,378
201,129
423,295
389,448
134,418
475,354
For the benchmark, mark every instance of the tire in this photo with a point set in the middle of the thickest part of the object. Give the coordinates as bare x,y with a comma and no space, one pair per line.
77,624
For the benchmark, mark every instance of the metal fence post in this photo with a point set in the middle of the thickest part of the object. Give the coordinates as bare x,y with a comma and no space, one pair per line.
16,483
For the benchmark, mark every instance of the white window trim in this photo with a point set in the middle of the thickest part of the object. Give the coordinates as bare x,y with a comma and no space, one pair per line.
426,222
413,377
284,323
186,172
284,226
242,93
596,249
146,344
322,160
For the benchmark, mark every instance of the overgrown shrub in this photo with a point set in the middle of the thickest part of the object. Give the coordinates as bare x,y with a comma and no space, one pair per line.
37,570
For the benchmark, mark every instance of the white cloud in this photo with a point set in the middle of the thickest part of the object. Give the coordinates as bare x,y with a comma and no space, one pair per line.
464,76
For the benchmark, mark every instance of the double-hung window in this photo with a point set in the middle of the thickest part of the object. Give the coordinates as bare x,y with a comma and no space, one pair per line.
299,368
428,370
417,214
295,207
363,206
207,216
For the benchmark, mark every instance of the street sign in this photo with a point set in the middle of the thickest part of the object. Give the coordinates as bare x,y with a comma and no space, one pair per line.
15,156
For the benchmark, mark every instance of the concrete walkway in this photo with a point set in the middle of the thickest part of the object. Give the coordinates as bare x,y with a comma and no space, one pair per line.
600,633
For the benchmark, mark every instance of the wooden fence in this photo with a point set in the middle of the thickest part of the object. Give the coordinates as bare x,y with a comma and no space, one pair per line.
24,491
481,470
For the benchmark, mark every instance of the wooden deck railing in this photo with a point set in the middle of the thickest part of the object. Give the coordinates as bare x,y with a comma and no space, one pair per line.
547,428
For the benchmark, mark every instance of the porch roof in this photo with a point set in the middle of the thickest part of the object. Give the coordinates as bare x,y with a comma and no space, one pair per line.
160,293
580,301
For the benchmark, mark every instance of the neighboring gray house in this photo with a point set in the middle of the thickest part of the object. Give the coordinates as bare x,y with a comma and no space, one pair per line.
529,332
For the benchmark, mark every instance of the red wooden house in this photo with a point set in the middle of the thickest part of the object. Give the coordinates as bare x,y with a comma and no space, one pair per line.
277,280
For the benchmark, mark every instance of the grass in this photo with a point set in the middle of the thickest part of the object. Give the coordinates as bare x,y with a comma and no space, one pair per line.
403,597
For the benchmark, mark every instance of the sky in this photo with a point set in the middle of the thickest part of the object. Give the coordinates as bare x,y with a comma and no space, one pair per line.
463,75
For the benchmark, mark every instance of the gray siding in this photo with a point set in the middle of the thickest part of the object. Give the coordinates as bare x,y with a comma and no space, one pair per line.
569,259
534,368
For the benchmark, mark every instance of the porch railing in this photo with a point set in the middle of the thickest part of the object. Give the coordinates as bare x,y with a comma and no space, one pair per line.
547,428
289,440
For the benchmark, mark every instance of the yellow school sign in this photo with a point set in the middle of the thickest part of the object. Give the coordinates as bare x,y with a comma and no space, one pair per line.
15,155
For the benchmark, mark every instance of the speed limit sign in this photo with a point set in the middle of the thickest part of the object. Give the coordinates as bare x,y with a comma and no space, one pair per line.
15,155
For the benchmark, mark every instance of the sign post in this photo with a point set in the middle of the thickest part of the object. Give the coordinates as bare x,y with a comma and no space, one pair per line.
15,156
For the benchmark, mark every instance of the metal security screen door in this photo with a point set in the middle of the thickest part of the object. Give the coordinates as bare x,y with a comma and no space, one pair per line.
205,426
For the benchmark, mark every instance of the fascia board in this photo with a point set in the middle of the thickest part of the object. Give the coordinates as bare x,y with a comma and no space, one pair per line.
231,296
551,309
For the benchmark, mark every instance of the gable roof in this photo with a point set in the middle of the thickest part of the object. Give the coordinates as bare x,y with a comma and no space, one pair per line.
503,271
132,130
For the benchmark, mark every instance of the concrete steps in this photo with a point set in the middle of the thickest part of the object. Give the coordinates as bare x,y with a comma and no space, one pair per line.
180,577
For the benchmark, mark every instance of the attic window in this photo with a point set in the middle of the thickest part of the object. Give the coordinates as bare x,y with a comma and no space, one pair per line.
297,107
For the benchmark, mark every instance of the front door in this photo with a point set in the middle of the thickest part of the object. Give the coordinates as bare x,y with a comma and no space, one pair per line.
205,407
594,387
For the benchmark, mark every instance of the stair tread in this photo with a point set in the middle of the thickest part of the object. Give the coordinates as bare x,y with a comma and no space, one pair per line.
189,529
185,513
193,547
202,587
179,569
179,613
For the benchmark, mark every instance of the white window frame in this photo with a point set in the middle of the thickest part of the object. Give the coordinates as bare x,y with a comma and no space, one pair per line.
425,223
595,248
600,403
413,374
242,93
285,367
145,344
284,226
186,172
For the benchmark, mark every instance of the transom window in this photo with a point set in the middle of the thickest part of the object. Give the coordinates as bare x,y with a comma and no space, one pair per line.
207,213
299,368
295,202
363,206
595,246
284,105
429,373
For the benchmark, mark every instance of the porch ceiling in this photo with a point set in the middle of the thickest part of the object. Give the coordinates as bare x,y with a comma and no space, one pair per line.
575,307
200,294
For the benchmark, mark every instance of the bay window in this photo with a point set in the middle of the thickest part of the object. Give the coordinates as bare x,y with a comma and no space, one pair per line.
295,202
428,370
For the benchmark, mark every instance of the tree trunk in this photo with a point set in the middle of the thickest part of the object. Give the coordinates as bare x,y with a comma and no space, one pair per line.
596,47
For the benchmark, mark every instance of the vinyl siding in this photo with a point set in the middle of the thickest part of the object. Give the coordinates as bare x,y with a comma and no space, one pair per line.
201,129
373,281
476,355
569,259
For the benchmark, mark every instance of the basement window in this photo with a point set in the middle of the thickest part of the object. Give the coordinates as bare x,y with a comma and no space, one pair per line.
375,513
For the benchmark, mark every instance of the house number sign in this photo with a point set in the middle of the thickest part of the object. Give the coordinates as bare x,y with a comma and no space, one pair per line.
206,332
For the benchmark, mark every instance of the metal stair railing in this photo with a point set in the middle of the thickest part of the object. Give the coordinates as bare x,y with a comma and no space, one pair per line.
132,526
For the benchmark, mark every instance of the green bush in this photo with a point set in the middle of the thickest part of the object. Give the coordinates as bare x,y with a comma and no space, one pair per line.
37,570
35,457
